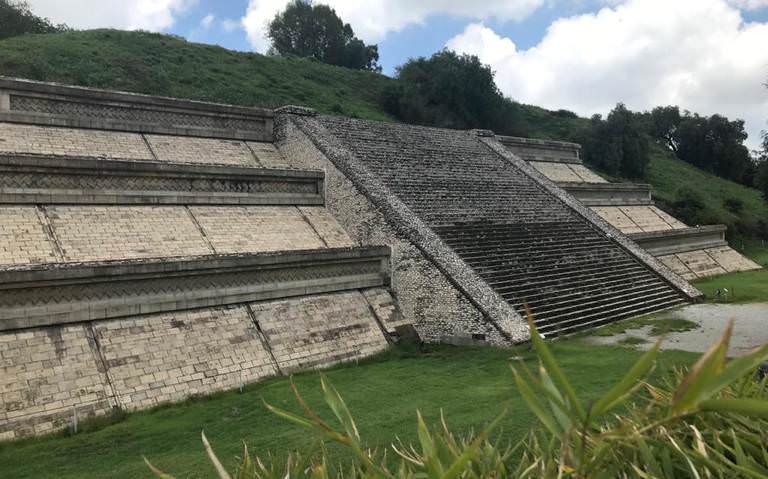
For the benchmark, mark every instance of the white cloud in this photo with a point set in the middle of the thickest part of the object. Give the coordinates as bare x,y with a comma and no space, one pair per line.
372,20
154,15
207,21
698,54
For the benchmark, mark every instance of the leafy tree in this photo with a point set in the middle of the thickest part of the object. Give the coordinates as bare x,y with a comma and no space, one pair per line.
315,31
761,176
616,145
16,18
714,144
447,90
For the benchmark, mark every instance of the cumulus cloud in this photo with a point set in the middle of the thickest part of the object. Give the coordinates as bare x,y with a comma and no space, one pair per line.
373,19
698,54
154,15
207,21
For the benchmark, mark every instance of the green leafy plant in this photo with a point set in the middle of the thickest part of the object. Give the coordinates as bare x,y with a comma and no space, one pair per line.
708,422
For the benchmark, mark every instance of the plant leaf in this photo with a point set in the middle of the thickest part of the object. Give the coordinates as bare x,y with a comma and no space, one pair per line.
215,460
546,357
624,388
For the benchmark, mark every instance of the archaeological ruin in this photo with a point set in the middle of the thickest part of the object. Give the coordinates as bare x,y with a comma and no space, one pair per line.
154,248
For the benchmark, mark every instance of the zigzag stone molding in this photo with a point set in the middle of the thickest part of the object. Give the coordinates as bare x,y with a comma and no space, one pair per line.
609,194
24,101
681,240
32,296
49,180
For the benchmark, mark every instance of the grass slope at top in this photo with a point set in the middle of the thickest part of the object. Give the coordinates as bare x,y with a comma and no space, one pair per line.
471,386
743,287
156,64
668,175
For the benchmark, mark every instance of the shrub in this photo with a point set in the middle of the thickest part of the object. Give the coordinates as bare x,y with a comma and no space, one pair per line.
711,421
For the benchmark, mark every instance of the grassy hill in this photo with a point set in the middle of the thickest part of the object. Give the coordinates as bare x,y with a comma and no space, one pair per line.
165,65
156,64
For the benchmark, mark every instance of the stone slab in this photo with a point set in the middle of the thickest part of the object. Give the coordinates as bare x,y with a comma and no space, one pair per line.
169,357
315,332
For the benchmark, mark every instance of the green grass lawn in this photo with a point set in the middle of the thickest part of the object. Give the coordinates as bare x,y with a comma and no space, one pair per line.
743,287
471,385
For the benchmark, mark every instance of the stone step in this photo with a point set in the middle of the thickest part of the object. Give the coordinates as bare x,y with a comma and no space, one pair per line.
577,319
586,323
612,297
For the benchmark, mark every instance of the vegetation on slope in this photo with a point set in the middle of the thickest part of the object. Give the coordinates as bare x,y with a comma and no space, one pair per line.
156,64
383,393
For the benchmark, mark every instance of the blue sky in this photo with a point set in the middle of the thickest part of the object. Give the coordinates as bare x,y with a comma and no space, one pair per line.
708,56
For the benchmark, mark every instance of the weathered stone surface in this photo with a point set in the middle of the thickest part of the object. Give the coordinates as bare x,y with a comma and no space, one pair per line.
638,219
169,357
254,229
315,332
46,374
558,172
425,294
326,226
23,238
92,233
708,262
46,140
267,155
184,149
385,308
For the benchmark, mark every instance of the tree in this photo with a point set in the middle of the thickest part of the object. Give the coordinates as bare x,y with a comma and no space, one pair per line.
315,31
761,176
447,90
16,18
616,145
714,143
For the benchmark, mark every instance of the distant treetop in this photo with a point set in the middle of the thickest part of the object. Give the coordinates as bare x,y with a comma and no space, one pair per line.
315,31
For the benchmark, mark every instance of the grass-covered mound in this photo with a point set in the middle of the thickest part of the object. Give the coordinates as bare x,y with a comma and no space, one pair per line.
470,385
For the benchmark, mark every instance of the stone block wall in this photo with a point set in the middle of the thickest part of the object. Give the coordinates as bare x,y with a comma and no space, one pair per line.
93,233
315,332
75,142
45,373
167,357
22,237
46,140
425,295
142,361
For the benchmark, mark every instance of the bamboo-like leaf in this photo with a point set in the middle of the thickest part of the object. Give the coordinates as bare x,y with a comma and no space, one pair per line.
156,471
546,357
294,418
339,408
458,466
431,461
215,460
527,393
737,368
702,375
555,400
748,407
624,388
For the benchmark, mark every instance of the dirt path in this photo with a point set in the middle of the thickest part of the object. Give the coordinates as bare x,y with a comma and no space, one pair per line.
750,329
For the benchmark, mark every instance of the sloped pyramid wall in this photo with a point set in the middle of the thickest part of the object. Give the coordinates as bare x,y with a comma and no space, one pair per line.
690,251
152,248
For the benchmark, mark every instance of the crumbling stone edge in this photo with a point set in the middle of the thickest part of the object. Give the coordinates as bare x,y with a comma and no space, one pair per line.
494,309
612,232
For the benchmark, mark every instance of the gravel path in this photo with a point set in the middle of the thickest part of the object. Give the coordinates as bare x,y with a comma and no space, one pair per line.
750,329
